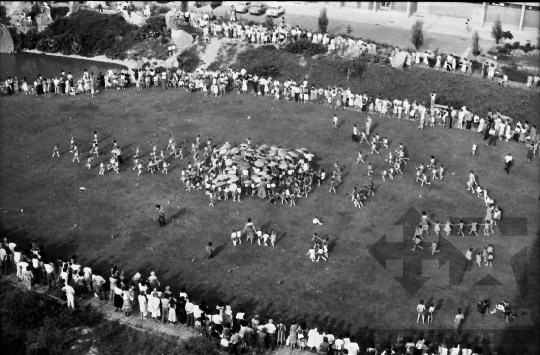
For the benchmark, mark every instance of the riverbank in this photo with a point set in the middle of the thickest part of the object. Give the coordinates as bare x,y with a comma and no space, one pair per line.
31,63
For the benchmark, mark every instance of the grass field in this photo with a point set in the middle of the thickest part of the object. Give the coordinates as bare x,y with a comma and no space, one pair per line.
112,221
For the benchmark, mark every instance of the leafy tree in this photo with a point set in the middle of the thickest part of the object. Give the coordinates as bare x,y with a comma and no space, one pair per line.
417,34
323,21
497,31
476,43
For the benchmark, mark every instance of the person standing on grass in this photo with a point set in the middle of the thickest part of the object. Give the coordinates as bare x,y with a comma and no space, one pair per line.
161,217
98,281
355,134
508,162
468,256
459,318
70,294
421,309
368,125
209,250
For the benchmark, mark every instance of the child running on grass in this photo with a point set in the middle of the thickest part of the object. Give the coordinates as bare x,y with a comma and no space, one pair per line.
461,227
417,238
434,248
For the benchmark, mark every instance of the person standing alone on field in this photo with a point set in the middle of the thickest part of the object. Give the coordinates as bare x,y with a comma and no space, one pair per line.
161,218
508,161
458,321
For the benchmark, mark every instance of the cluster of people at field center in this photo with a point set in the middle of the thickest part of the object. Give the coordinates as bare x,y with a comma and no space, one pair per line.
273,172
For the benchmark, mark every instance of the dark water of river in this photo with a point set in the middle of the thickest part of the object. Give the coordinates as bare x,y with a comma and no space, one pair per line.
30,65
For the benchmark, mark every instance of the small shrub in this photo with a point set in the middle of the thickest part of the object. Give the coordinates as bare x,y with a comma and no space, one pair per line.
475,43
58,12
199,4
214,4
515,45
417,34
497,31
189,57
515,74
323,21
269,22
305,47
268,61
158,10
3,18
31,39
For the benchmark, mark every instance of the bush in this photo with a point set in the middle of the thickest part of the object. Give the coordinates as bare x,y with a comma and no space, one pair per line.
268,61
506,49
323,21
497,31
3,18
158,10
515,74
269,22
189,57
89,33
31,39
32,324
417,34
58,12
305,47
199,4
214,4
475,45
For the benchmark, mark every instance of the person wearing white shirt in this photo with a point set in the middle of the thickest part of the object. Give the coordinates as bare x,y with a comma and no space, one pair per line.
508,161
197,311
455,349
217,318
70,294
271,330
240,315
189,313
49,268
316,220
352,347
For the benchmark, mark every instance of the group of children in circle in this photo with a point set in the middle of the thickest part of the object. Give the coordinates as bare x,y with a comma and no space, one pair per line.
319,250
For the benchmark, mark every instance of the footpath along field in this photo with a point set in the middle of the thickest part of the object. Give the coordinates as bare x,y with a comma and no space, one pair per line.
112,221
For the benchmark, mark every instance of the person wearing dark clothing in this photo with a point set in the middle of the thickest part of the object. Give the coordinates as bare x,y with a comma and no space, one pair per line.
161,218
483,306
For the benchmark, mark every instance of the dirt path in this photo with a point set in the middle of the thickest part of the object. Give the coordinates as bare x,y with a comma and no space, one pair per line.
209,54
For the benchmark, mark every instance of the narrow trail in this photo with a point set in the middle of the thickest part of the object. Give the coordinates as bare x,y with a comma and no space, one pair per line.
209,54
